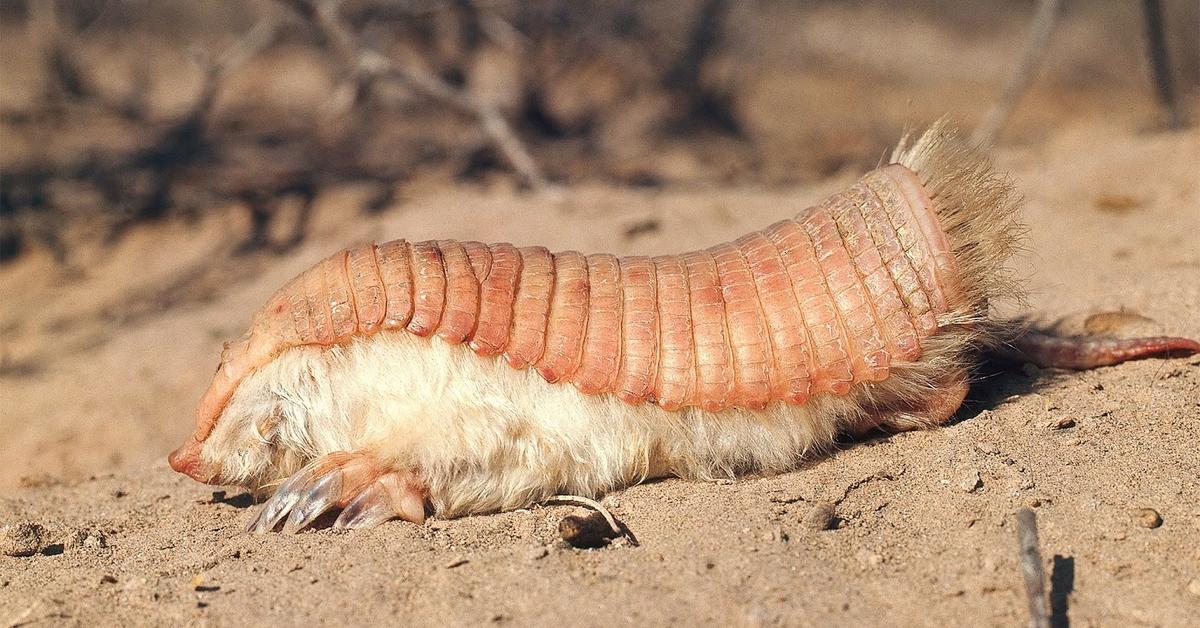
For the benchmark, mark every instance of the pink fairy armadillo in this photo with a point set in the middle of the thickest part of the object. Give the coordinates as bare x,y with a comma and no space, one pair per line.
399,379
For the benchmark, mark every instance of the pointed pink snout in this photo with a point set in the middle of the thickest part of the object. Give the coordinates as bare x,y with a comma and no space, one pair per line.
186,460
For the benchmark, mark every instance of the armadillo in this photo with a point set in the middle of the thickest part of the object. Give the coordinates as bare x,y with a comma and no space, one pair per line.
403,379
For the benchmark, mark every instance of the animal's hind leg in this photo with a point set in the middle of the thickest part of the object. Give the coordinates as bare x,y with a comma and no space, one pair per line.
937,407
368,491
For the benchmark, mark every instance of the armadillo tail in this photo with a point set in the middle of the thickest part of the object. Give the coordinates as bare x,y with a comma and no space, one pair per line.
1049,351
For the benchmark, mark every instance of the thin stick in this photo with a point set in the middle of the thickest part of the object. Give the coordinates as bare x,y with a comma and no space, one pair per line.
1035,48
1160,63
370,65
590,503
264,33
1030,559
60,51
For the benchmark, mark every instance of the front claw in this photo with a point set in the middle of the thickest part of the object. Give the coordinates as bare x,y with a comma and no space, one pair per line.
369,491
389,496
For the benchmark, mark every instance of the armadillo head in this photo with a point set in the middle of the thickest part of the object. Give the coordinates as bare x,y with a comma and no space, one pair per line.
239,359
272,330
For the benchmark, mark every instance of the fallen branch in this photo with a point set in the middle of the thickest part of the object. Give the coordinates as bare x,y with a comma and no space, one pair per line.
369,65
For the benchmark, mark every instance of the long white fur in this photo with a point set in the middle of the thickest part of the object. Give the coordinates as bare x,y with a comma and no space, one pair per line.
482,435
486,437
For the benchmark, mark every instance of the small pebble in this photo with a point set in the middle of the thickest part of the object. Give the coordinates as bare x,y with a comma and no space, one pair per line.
88,539
868,558
971,481
586,531
22,539
889,474
1062,423
821,516
987,447
787,497
458,562
1147,518
1194,587
776,535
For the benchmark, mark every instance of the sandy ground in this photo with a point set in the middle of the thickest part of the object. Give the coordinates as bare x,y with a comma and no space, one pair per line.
1113,214
102,362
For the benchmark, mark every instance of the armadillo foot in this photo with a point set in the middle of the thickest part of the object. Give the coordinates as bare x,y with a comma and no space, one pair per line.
370,493
392,495
935,408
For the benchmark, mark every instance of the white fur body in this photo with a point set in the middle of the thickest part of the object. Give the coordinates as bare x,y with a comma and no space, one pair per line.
486,437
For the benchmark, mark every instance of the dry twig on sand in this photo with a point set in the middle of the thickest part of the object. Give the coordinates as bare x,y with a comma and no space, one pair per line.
1030,559
1160,63
1035,48
368,66
615,528
590,503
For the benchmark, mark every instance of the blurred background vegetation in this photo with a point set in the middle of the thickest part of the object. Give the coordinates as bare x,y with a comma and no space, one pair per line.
116,112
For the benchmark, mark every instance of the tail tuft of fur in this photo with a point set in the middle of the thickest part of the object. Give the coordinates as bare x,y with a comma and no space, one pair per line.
979,212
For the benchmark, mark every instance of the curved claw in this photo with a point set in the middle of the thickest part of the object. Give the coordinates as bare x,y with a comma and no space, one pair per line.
319,497
367,510
283,500
370,492
390,497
